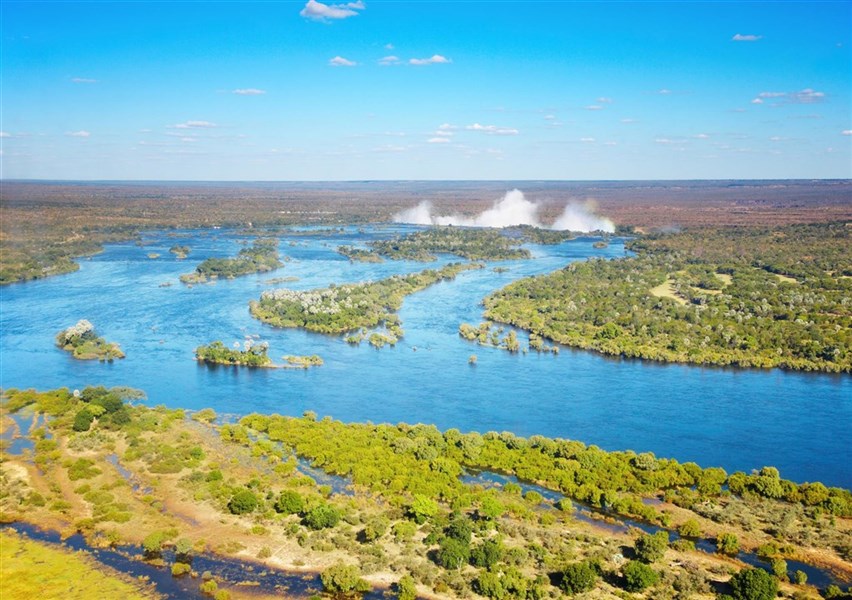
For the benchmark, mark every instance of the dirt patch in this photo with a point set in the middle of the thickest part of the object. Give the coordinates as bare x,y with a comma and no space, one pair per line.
665,290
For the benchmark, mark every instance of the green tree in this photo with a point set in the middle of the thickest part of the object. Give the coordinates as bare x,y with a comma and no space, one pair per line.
651,548
422,508
638,576
453,553
727,543
406,588
690,528
579,577
290,502
753,584
343,579
244,501
322,516
83,420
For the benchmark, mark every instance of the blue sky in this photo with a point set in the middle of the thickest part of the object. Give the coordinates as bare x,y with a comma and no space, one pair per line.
426,90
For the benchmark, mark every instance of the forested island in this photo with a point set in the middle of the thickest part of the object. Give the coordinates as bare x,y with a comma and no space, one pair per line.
342,308
83,343
260,257
252,354
411,516
758,297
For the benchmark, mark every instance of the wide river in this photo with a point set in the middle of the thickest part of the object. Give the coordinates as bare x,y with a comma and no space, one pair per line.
739,419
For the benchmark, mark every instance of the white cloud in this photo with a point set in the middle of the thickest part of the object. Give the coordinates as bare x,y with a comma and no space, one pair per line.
5,134
248,92
757,101
388,46
664,92
846,132
492,129
594,107
587,140
444,133
604,100
702,136
81,134
389,60
807,96
628,121
447,127
195,125
438,140
83,80
436,59
339,61
321,12
771,94
749,37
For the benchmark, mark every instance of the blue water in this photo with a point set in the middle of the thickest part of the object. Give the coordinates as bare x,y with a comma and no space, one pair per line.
735,418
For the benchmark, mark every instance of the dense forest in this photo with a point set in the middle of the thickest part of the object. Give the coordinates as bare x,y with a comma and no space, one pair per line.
403,510
768,297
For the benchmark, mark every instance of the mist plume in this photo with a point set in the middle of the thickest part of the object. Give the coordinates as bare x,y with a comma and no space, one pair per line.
511,209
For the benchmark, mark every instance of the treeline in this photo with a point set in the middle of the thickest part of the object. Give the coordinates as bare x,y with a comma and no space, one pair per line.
465,242
260,257
342,308
728,297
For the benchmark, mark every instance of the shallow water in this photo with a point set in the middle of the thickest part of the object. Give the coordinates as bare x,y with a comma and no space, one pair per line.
735,418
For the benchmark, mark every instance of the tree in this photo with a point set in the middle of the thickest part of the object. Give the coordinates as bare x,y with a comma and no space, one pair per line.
322,516
244,501
579,577
488,553
651,548
753,584
343,579
690,528
727,543
453,553
83,420
422,508
406,589
290,503
638,576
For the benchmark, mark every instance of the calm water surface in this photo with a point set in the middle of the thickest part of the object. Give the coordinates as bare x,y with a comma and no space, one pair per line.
734,418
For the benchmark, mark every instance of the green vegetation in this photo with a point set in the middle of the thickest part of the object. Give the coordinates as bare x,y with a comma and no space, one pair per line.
469,243
254,355
30,569
84,344
753,584
537,235
409,512
488,335
304,362
750,297
359,254
261,257
179,251
343,308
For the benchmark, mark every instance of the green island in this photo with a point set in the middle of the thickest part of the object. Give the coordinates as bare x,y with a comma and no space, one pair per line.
537,235
485,334
408,519
342,308
359,254
303,362
253,355
180,251
757,297
260,257
83,343
465,242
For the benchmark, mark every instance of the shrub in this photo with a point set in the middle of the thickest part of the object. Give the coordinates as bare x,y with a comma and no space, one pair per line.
638,576
753,584
406,589
727,543
244,501
343,579
691,529
83,420
650,548
322,517
290,503
579,577
453,553
180,568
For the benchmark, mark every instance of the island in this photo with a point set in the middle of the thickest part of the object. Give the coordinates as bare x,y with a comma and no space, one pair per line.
253,355
303,362
758,297
83,343
180,251
260,257
344,308
429,512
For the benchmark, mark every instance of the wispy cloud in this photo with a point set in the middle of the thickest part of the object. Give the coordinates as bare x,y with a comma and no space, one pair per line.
588,140
701,136
322,12
83,80
594,107
339,61
846,132
195,125
438,140
5,134
805,96
748,37
388,46
664,92
435,59
248,92
604,100
492,129
80,134
389,60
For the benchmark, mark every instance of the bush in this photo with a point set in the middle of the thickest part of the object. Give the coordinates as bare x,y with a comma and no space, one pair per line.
727,543
579,577
651,548
83,420
244,501
753,584
638,576
406,588
322,517
290,503
487,554
453,553
691,529
180,568
343,579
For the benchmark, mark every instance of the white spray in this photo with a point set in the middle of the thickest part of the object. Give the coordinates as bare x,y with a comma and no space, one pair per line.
511,209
